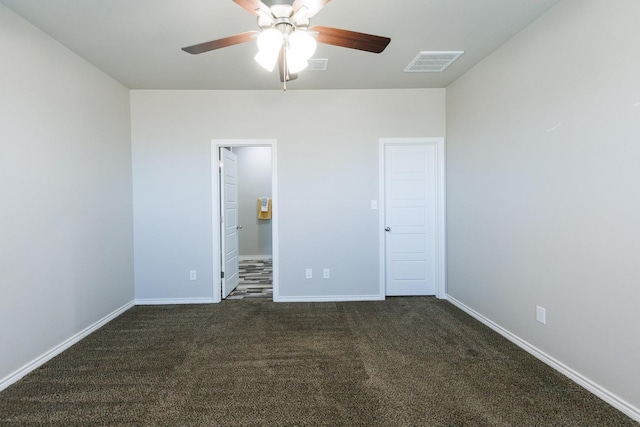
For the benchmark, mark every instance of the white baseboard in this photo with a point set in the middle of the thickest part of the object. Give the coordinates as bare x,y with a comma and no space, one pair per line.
333,298
172,301
41,360
256,257
613,400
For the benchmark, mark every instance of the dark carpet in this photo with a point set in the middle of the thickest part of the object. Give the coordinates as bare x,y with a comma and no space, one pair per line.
399,362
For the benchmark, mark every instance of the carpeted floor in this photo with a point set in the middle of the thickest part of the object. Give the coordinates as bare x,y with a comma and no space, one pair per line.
400,362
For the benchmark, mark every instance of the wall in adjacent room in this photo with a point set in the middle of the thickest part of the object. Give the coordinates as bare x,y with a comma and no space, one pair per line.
66,247
327,166
254,181
543,149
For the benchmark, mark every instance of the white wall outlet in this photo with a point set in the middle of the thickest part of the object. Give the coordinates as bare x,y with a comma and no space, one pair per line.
193,275
541,315
326,273
308,273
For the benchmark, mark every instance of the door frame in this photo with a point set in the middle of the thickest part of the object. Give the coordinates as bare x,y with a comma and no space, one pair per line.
215,194
441,266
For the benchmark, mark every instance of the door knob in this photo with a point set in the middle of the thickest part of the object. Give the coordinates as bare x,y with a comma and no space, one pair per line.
387,229
238,227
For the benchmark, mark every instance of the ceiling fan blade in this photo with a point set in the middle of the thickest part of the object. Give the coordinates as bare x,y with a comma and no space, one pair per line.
314,6
351,39
220,43
282,68
252,6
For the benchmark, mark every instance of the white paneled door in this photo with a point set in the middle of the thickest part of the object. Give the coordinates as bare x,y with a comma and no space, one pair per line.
229,219
410,222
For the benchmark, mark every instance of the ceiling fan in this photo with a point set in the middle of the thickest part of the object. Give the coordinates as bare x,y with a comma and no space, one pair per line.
286,39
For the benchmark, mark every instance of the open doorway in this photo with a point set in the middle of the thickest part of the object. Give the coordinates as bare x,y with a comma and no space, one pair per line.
245,231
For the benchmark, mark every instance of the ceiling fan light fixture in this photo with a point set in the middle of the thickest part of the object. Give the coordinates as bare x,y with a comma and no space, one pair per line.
270,40
269,45
295,64
302,44
300,47
267,59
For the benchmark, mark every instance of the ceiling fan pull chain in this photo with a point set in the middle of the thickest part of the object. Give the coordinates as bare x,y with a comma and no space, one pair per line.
286,68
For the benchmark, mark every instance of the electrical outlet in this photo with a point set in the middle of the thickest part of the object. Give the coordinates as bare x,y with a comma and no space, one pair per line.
541,315
326,273
193,275
308,273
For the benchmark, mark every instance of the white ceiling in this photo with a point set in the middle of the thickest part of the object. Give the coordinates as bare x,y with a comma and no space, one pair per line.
138,41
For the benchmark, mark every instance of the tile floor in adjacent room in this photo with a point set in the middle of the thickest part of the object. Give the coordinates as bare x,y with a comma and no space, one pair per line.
255,280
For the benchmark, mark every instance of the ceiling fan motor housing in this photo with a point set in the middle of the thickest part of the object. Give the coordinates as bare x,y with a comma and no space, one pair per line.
281,16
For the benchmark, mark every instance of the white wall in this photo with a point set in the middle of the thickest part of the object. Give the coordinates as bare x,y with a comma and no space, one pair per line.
543,176
327,176
254,181
66,203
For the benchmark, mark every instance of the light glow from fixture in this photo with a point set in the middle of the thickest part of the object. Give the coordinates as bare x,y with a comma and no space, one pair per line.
299,47
295,64
267,60
269,45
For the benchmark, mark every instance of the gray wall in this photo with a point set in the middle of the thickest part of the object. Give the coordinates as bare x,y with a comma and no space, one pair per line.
327,147
254,181
66,209
543,176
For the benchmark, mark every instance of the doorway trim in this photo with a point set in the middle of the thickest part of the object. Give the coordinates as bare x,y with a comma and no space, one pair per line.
441,270
215,195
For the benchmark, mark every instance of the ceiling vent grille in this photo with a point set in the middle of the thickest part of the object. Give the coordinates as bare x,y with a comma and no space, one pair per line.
317,64
432,62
